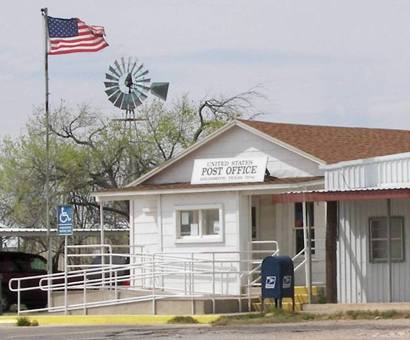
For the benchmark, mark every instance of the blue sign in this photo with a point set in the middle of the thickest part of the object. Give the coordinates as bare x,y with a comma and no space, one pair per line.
65,220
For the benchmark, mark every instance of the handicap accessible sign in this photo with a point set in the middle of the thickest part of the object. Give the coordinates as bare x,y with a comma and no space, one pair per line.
65,220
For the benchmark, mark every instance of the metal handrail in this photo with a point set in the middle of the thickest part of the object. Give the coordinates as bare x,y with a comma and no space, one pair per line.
299,265
149,271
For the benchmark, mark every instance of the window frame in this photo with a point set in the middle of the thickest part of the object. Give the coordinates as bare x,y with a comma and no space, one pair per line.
310,212
201,237
402,239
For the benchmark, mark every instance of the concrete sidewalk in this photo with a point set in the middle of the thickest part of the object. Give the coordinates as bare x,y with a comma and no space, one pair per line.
332,308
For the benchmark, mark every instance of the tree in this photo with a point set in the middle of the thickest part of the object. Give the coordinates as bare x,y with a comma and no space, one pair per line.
90,153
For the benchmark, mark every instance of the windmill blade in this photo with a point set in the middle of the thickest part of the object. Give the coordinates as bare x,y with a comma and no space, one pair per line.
117,65
145,80
110,77
138,69
142,96
118,102
112,90
123,65
136,100
110,84
160,90
112,70
134,65
141,74
128,64
114,97
146,88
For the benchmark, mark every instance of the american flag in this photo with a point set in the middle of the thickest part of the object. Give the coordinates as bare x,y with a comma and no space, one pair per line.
73,35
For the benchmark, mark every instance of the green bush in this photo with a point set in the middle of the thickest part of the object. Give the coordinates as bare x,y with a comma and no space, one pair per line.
34,323
23,321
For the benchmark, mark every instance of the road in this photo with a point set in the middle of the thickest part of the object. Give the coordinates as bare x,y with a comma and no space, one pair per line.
318,330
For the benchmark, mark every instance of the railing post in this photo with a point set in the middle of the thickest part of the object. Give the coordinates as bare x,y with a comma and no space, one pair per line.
162,273
249,290
185,280
116,285
153,285
192,284
1,293
110,270
84,292
213,283
18,297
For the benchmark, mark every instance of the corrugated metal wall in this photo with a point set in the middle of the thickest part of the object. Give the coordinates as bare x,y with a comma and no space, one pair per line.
388,173
359,280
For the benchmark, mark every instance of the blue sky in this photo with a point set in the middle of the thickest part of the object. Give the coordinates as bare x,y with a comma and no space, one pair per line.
317,61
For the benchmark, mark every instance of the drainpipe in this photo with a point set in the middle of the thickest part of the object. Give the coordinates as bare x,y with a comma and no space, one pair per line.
389,262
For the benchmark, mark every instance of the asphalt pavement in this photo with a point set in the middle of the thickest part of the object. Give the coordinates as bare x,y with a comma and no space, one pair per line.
318,330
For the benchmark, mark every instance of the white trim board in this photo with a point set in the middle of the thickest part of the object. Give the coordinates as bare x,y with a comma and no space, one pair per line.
127,195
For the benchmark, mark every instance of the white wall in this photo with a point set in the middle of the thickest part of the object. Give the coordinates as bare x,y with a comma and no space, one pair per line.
235,143
149,212
360,281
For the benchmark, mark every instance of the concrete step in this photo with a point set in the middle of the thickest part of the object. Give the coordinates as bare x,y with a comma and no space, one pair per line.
301,299
304,290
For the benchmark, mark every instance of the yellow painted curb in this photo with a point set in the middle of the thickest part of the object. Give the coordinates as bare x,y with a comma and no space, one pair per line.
107,319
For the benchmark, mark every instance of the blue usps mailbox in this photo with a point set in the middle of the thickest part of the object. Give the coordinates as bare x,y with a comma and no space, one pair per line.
278,279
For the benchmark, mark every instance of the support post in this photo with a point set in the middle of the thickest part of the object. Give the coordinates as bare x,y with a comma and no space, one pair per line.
102,242
389,262
308,260
331,236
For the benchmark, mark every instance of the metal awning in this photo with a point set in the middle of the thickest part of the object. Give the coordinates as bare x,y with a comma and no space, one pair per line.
347,195
29,232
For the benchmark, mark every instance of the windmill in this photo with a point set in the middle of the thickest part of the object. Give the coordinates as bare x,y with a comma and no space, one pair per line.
127,85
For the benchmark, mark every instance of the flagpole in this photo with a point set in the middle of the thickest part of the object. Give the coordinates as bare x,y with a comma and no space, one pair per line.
44,12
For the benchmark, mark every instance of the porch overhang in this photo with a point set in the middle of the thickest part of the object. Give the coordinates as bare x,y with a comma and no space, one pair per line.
269,185
348,195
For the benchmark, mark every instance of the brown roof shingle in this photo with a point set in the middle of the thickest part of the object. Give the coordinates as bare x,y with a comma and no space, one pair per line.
335,144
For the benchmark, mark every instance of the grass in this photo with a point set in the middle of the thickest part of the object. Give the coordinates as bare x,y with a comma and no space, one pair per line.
183,320
281,316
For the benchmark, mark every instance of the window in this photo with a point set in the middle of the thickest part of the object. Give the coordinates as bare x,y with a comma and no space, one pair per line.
310,218
200,223
189,223
378,239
